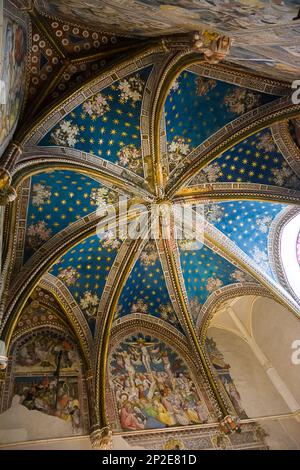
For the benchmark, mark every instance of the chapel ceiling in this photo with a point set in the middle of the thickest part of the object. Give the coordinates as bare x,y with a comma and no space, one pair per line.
212,139
107,128
265,32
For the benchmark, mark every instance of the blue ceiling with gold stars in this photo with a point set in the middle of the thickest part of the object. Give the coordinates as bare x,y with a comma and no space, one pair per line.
205,272
84,270
146,291
57,199
108,124
255,160
197,107
247,224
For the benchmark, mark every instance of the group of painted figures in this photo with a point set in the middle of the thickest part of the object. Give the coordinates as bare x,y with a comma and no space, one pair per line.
153,388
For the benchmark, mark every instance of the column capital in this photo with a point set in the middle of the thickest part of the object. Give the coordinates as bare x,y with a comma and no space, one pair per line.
101,438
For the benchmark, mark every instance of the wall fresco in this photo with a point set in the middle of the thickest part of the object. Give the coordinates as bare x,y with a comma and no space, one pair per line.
153,387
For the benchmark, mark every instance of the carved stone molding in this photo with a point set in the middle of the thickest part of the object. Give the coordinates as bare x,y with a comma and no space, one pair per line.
225,294
286,144
227,73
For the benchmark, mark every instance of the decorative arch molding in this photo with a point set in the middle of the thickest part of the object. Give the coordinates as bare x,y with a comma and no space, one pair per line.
73,313
227,73
225,294
222,245
134,323
287,146
142,323
45,257
214,192
275,235
147,56
39,159
230,135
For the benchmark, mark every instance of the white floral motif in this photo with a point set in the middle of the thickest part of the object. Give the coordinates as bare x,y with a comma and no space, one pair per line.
213,283
175,85
139,307
96,106
264,223
131,158
241,276
149,255
131,89
266,142
240,100
209,174
68,276
38,234
167,313
41,194
213,212
110,240
89,303
102,196
205,85
65,134
285,175
261,259
177,150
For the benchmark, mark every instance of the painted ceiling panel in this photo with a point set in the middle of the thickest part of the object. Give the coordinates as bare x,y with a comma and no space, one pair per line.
255,160
247,223
205,272
197,107
146,291
84,270
108,124
57,199
13,28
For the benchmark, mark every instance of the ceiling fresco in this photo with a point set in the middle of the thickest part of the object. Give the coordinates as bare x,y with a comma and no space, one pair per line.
108,124
205,272
84,270
263,31
146,291
197,107
144,300
13,71
254,160
247,223
57,199
45,59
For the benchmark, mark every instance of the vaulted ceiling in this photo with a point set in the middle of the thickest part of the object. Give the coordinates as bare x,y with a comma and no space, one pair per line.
114,118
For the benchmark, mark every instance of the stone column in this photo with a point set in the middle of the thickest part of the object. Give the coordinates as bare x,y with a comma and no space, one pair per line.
101,437
270,370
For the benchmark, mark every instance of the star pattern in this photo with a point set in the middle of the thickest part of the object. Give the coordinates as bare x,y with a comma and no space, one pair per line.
197,107
107,123
57,199
147,286
247,224
255,160
204,272
84,269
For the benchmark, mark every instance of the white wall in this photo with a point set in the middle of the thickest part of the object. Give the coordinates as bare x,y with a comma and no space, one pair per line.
258,396
275,329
